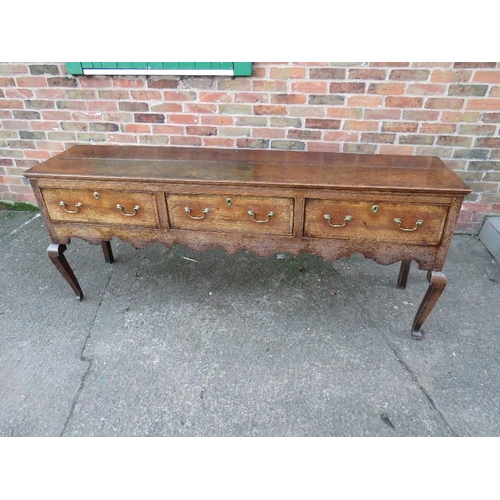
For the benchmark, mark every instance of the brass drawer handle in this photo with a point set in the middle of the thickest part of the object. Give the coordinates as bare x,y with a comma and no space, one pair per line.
188,211
328,217
77,206
252,214
136,209
399,221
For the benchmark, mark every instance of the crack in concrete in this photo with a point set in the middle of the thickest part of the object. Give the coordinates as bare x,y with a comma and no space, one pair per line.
86,360
400,359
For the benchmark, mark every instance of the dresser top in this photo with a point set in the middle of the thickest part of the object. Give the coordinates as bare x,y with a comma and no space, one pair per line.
262,168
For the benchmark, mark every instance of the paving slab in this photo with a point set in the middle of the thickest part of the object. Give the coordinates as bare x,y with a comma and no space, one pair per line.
179,343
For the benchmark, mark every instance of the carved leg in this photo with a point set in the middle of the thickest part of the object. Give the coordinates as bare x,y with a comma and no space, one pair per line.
403,273
437,283
108,253
55,253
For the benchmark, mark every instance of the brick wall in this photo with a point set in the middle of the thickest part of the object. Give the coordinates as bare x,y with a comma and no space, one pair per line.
451,110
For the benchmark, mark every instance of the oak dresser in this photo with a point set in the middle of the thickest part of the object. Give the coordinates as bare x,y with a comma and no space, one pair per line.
389,208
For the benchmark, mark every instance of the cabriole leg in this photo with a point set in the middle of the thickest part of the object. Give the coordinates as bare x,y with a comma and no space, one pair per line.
437,283
55,253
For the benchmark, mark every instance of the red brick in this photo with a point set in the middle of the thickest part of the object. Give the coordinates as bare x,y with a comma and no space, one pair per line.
367,74
179,95
192,107
197,130
366,125
420,115
396,150
31,81
288,98
95,82
443,103
374,137
386,88
437,128
269,110
490,117
4,104
347,88
352,147
18,93
185,119
285,73
304,135
399,126
382,114
217,120
325,147
146,95
343,112
456,116
426,89
37,155
218,142
102,105
129,82
250,97
487,142
185,140
365,101
149,118
310,87
252,143
167,129
327,73
50,93
495,91
269,133
163,83
341,136
450,76
270,85
137,128
167,107
215,96
7,82
487,76
62,81
389,64
454,140
474,65
404,102
122,138
409,74
486,104
322,123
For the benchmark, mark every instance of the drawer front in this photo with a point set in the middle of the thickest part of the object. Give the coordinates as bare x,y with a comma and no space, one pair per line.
108,207
244,214
384,221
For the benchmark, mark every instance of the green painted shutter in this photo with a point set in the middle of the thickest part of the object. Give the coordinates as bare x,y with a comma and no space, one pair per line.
238,68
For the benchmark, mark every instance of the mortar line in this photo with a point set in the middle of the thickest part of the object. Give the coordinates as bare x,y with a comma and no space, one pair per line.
86,360
399,358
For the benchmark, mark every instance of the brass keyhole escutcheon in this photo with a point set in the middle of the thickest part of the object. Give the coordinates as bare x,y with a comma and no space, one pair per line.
375,209
229,202
96,195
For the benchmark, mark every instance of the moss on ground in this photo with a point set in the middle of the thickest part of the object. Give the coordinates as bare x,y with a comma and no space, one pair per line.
18,206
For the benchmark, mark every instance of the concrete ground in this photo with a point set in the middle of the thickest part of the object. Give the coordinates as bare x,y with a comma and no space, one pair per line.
176,343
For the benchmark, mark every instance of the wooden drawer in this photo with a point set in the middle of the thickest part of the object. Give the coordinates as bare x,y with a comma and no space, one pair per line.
231,213
395,222
87,206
